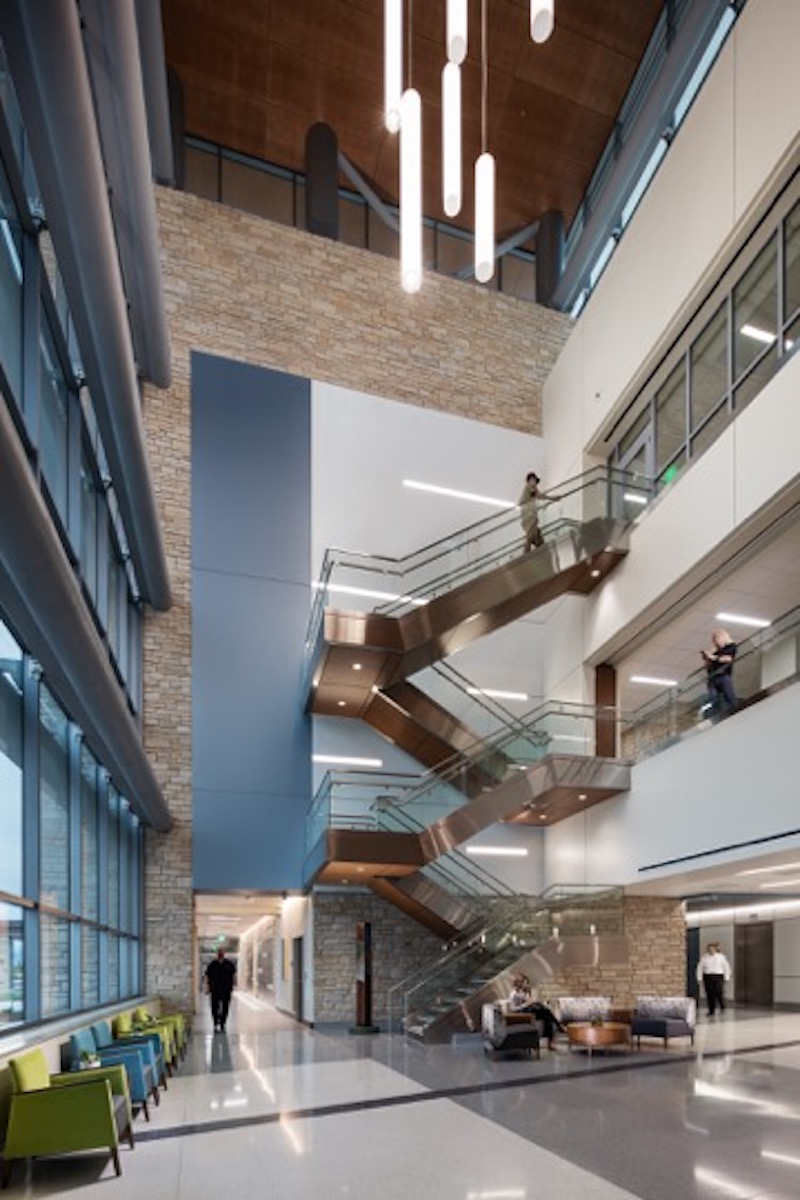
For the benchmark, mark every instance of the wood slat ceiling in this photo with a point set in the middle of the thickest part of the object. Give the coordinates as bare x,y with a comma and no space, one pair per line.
257,74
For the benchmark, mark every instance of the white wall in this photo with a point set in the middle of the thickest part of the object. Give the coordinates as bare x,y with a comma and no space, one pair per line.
295,920
363,446
741,127
786,964
720,789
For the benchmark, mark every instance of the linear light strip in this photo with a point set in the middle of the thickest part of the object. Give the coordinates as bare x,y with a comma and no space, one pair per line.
498,851
346,760
735,619
497,694
439,490
653,679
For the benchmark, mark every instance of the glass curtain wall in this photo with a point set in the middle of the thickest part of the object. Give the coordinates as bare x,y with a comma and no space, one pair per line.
71,857
42,384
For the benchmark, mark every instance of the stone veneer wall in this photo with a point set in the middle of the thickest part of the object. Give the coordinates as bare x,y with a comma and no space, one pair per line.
655,928
656,932
399,946
246,289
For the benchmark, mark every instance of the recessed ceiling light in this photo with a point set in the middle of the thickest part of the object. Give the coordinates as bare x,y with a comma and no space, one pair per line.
595,574
735,619
654,679
356,666
582,796
543,816
497,694
438,490
340,703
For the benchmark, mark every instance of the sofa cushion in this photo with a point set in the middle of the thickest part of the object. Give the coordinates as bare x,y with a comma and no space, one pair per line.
674,1008
583,1008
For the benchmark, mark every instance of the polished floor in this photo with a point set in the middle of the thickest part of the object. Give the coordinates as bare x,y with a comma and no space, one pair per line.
273,1110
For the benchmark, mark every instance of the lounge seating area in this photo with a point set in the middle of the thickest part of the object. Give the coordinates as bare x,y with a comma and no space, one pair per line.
90,1104
663,1017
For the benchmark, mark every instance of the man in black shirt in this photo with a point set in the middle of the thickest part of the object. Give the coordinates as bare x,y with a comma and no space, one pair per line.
220,981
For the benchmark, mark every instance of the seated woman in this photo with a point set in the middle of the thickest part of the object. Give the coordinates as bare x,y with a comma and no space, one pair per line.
521,1000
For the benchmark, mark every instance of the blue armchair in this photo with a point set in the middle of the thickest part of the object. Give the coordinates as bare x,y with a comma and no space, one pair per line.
137,1060
149,1042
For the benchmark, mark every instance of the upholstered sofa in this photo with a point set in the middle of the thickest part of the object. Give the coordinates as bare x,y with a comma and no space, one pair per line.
504,1031
583,1008
664,1017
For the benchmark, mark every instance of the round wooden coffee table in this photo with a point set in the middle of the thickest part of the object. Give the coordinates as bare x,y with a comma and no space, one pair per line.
597,1037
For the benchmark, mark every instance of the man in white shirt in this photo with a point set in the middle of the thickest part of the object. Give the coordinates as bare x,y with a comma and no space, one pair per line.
714,971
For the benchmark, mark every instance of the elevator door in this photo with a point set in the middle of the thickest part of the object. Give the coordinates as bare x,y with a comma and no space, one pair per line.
753,980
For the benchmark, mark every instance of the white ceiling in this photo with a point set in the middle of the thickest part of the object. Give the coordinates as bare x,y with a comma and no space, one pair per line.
232,913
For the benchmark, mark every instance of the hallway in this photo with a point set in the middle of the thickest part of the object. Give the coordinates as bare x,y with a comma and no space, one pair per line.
275,1110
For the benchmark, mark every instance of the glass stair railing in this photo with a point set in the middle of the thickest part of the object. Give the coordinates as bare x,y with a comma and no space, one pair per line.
586,521
484,715
371,801
438,1000
765,662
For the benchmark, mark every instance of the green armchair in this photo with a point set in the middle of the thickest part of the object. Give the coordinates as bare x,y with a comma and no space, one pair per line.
56,1114
176,1021
125,1027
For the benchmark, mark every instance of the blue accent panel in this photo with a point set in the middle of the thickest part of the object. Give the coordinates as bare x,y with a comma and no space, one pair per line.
249,730
252,841
251,470
251,549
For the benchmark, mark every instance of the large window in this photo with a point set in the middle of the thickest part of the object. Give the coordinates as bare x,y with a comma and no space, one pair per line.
54,823
53,433
732,347
70,844
12,965
42,383
10,289
10,764
72,896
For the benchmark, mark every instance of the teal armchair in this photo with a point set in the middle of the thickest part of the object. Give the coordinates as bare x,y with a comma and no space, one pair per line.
137,1060
150,1042
57,1114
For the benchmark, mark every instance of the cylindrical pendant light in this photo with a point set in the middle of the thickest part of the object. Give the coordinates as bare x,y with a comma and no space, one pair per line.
451,139
542,19
411,190
456,31
484,174
484,218
392,62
